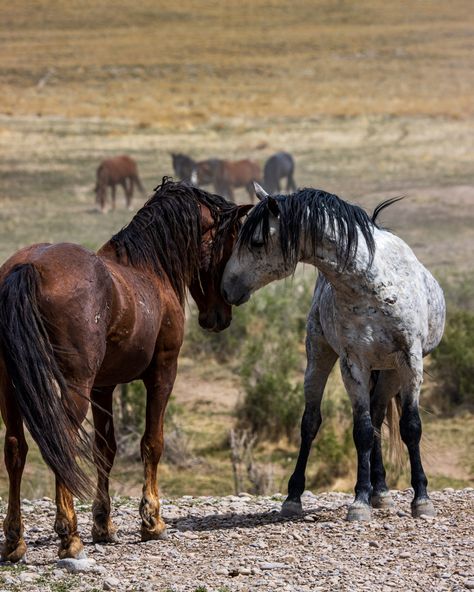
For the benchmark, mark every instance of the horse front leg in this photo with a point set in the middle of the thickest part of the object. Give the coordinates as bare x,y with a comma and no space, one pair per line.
15,452
159,383
129,192
321,359
411,376
103,531
356,380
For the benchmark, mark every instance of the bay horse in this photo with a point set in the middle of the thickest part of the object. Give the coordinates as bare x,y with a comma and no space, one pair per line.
231,174
375,307
119,170
279,166
74,324
198,173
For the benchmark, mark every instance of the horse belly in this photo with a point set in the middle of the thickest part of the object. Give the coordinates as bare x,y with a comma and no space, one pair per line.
121,365
130,343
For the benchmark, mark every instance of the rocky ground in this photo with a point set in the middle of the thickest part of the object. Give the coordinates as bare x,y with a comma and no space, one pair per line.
241,543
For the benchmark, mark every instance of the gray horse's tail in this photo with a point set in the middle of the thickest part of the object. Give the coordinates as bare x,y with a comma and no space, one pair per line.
392,420
383,205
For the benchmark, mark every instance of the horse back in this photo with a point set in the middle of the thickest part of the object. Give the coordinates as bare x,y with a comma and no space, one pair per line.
116,169
240,172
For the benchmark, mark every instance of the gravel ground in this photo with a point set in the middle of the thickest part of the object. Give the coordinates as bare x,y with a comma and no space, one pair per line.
241,543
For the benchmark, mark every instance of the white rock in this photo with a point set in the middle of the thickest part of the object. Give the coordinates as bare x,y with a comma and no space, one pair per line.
272,565
111,583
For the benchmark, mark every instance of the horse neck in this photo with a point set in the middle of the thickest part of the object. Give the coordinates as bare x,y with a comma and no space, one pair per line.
324,257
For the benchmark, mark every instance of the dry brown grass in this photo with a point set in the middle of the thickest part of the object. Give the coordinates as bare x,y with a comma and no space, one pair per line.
190,62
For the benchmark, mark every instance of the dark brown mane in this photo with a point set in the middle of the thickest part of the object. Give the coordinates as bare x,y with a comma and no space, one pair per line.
166,233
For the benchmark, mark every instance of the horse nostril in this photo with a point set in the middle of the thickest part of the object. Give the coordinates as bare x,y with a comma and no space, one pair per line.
224,294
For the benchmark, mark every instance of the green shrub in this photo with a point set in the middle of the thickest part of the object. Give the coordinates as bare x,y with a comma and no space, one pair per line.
281,307
334,451
272,361
453,360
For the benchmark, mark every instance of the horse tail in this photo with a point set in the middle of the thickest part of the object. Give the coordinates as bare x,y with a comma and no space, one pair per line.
40,387
392,419
383,205
136,178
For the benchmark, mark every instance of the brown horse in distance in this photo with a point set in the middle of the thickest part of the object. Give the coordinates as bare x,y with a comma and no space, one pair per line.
74,324
230,174
119,170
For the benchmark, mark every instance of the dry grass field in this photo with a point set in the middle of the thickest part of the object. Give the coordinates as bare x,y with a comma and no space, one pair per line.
374,99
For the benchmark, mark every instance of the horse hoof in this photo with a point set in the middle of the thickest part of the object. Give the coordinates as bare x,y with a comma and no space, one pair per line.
104,538
158,534
359,512
290,509
382,500
422,507
74,550
14,555
104,535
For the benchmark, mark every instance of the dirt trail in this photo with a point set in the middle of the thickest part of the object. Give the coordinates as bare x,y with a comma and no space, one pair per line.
242,544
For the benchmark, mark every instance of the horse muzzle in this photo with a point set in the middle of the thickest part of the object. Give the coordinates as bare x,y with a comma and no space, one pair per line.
234,292
215,321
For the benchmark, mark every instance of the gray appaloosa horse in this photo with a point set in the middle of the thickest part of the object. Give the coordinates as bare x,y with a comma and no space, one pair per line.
375,307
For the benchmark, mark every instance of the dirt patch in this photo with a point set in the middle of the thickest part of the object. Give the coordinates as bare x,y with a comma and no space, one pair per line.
242,544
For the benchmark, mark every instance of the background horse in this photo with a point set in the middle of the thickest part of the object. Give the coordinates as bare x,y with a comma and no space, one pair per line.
198,173
375,307
120,170
278,166
236,173
74,324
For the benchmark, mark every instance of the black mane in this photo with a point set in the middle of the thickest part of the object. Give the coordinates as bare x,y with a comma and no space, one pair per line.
165,234
311,211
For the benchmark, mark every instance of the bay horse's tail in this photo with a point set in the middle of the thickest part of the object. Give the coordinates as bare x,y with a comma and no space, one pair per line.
39,385
136,178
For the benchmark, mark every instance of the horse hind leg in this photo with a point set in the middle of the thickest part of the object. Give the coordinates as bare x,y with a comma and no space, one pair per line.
105,447
16,448
290,183
411,376
113,191
65,524
321,359
386,387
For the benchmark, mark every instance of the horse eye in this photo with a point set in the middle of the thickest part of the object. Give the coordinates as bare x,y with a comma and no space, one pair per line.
256,243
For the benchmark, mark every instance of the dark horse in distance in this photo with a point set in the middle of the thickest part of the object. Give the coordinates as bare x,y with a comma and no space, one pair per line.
198,173
74,324
224,175
279,166
120,170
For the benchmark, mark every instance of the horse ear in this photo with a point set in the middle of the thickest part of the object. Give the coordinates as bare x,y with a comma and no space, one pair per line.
259,191
273,206
242,210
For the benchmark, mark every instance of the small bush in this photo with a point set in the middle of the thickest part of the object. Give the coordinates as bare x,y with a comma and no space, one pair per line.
272,362
281,307
453,360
